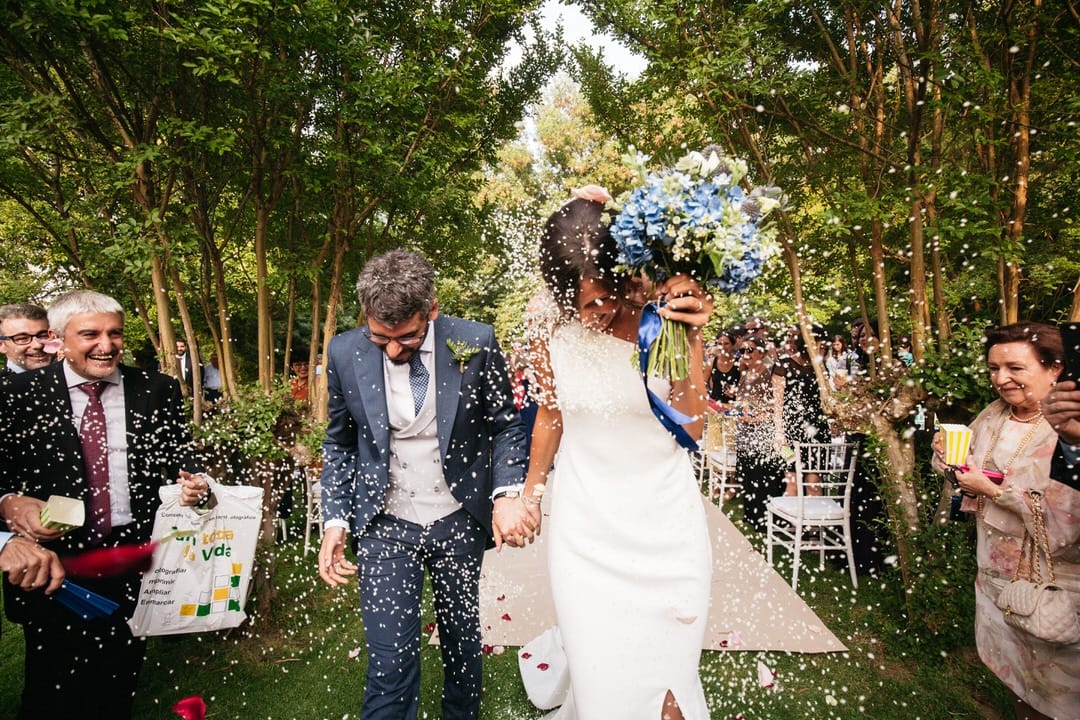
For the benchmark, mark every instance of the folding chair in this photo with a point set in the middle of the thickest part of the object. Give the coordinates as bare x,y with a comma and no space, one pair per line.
313,504
819,521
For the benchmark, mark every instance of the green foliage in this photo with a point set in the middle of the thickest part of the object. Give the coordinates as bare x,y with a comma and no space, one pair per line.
954,375
255,425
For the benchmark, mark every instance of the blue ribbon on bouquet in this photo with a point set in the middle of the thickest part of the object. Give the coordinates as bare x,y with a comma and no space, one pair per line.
669,417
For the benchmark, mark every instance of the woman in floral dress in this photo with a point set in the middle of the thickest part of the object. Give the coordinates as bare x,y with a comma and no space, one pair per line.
1012,438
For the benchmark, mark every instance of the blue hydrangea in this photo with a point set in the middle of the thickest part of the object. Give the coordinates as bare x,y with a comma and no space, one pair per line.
696,220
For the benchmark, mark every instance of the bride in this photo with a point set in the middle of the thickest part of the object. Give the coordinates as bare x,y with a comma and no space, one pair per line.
629,553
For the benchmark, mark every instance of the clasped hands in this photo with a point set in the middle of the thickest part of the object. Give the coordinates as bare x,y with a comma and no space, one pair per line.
515,521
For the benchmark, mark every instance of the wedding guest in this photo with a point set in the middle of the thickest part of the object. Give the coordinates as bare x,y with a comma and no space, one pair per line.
629,550
299,366
797,416
24,330
864,345
1012,438
1062,410
756,463
723,369
423,433
108,434
839,362
212,380
903,350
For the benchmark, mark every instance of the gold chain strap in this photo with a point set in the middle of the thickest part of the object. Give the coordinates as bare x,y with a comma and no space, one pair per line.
1040,544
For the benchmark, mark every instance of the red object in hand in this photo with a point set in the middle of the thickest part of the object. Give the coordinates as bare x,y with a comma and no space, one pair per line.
191,708
107,562
993,475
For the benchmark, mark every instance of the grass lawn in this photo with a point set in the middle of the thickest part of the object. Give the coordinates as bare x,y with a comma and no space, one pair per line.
297,663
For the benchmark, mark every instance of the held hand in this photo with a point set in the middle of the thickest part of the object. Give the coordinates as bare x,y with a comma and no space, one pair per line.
937,444
1061,408
193,488
973,482
687,301
23,516
334,569
512,523
31,566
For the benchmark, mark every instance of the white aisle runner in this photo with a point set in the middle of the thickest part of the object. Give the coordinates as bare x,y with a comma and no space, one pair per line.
753,608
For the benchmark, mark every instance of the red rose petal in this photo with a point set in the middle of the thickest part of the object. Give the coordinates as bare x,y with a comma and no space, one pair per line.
501,598
542,666
506,617
190,708
526,655
430,627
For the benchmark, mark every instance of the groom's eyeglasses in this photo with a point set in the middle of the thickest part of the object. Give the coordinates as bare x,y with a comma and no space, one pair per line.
406,341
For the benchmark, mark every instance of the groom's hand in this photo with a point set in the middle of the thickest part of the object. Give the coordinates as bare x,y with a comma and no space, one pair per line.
334,569
512,523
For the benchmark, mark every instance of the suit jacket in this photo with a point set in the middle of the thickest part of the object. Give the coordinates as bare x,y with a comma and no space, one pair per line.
1062,471
40,453
481,436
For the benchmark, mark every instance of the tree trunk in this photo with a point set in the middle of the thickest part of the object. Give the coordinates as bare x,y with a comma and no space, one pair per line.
167,354
262,300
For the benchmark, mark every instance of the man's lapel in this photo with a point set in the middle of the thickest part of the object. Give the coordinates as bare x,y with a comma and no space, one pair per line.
447,383
371,382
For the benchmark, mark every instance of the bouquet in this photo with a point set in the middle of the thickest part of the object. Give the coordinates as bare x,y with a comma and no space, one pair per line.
693,218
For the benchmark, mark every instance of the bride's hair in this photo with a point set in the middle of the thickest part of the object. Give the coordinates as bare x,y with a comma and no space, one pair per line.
576,244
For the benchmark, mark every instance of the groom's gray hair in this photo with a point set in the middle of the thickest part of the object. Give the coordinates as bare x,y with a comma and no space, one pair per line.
395,286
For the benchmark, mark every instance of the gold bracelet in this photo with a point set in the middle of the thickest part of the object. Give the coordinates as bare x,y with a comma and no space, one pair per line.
998,495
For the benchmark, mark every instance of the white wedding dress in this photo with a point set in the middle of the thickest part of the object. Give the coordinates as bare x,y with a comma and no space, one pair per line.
629,552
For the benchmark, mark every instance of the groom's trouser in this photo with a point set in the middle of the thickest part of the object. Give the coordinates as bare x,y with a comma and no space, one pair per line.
393,555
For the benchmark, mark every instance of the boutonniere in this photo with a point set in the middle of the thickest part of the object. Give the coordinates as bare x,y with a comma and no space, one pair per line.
461,351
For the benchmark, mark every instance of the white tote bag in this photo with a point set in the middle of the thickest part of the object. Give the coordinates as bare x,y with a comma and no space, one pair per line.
201,570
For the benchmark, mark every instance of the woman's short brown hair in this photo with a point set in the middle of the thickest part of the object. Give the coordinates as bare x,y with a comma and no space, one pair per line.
1044,339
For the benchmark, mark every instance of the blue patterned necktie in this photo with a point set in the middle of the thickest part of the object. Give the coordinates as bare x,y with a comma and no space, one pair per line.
418,381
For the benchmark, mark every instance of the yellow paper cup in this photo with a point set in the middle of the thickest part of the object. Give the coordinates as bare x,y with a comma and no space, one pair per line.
957,441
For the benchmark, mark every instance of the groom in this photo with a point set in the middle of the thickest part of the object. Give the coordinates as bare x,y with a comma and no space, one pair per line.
423,435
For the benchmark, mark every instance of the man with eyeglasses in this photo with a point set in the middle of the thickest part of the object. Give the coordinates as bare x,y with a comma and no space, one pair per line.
24,330
423,433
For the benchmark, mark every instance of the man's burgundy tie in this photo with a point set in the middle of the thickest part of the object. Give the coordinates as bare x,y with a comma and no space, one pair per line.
95,448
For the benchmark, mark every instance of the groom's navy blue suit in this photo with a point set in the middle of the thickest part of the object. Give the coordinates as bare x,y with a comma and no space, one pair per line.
481,447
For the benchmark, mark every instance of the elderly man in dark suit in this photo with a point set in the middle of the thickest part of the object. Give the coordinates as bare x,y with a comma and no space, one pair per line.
92,429
423,438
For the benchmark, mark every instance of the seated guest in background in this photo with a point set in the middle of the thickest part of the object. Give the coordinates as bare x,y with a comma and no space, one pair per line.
1013,440
107,434
24,330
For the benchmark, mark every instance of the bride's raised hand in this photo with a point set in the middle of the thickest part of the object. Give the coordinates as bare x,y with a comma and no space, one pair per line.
685,301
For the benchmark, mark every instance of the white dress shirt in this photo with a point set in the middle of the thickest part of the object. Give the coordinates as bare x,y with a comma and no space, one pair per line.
112,400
